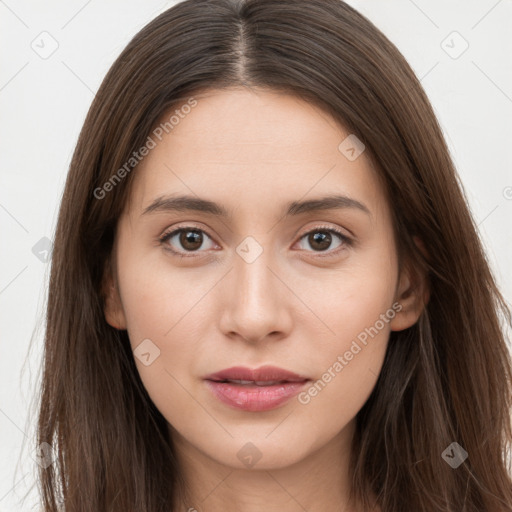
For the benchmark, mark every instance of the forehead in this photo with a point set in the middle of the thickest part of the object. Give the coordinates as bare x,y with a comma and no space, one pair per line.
251,147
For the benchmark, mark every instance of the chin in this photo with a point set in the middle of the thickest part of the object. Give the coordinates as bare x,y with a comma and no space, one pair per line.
254,454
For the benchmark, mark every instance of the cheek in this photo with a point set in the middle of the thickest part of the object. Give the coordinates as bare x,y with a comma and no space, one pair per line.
353,297
162,306
158,299
356,308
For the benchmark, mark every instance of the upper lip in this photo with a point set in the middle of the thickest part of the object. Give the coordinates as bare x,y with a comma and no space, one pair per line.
262,374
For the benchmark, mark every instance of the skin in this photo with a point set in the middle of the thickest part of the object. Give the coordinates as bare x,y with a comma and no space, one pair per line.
253,151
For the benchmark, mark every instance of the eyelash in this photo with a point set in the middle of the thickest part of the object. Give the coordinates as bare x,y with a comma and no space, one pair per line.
346,241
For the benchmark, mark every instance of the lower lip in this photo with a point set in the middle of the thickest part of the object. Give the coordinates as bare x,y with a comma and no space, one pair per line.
254,398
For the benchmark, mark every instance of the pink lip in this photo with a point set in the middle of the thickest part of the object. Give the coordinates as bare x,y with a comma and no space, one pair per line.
250,397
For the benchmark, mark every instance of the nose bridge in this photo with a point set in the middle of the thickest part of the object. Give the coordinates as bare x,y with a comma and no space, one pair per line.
256,306
252,281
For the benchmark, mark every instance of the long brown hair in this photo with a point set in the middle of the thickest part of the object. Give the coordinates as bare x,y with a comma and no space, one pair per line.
446,379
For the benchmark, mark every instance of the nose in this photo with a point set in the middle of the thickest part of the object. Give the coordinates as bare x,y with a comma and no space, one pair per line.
256,302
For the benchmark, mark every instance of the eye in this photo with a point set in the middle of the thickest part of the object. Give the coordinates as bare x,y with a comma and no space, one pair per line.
190,239
321,238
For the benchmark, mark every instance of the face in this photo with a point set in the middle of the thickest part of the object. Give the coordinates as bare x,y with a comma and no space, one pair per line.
314,291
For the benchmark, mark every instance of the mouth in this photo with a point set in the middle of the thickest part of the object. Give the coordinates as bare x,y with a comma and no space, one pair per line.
255,390
264,375
252,383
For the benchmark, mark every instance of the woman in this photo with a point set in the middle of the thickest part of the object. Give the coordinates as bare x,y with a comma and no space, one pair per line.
267,290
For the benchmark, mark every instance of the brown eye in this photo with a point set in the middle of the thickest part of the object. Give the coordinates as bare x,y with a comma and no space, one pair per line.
190,240
322,239
185,240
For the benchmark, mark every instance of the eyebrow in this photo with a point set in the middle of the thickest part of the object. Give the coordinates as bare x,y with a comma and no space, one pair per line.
185,203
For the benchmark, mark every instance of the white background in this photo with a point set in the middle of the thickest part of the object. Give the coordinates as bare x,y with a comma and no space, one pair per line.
43,103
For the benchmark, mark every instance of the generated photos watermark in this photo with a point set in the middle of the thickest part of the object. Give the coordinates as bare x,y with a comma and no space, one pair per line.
151,143
343,360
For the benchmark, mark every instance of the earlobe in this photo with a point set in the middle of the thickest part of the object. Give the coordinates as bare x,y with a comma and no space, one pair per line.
413,295
113,308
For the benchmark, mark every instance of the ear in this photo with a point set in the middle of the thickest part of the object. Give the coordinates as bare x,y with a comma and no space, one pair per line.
113,308
413,293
